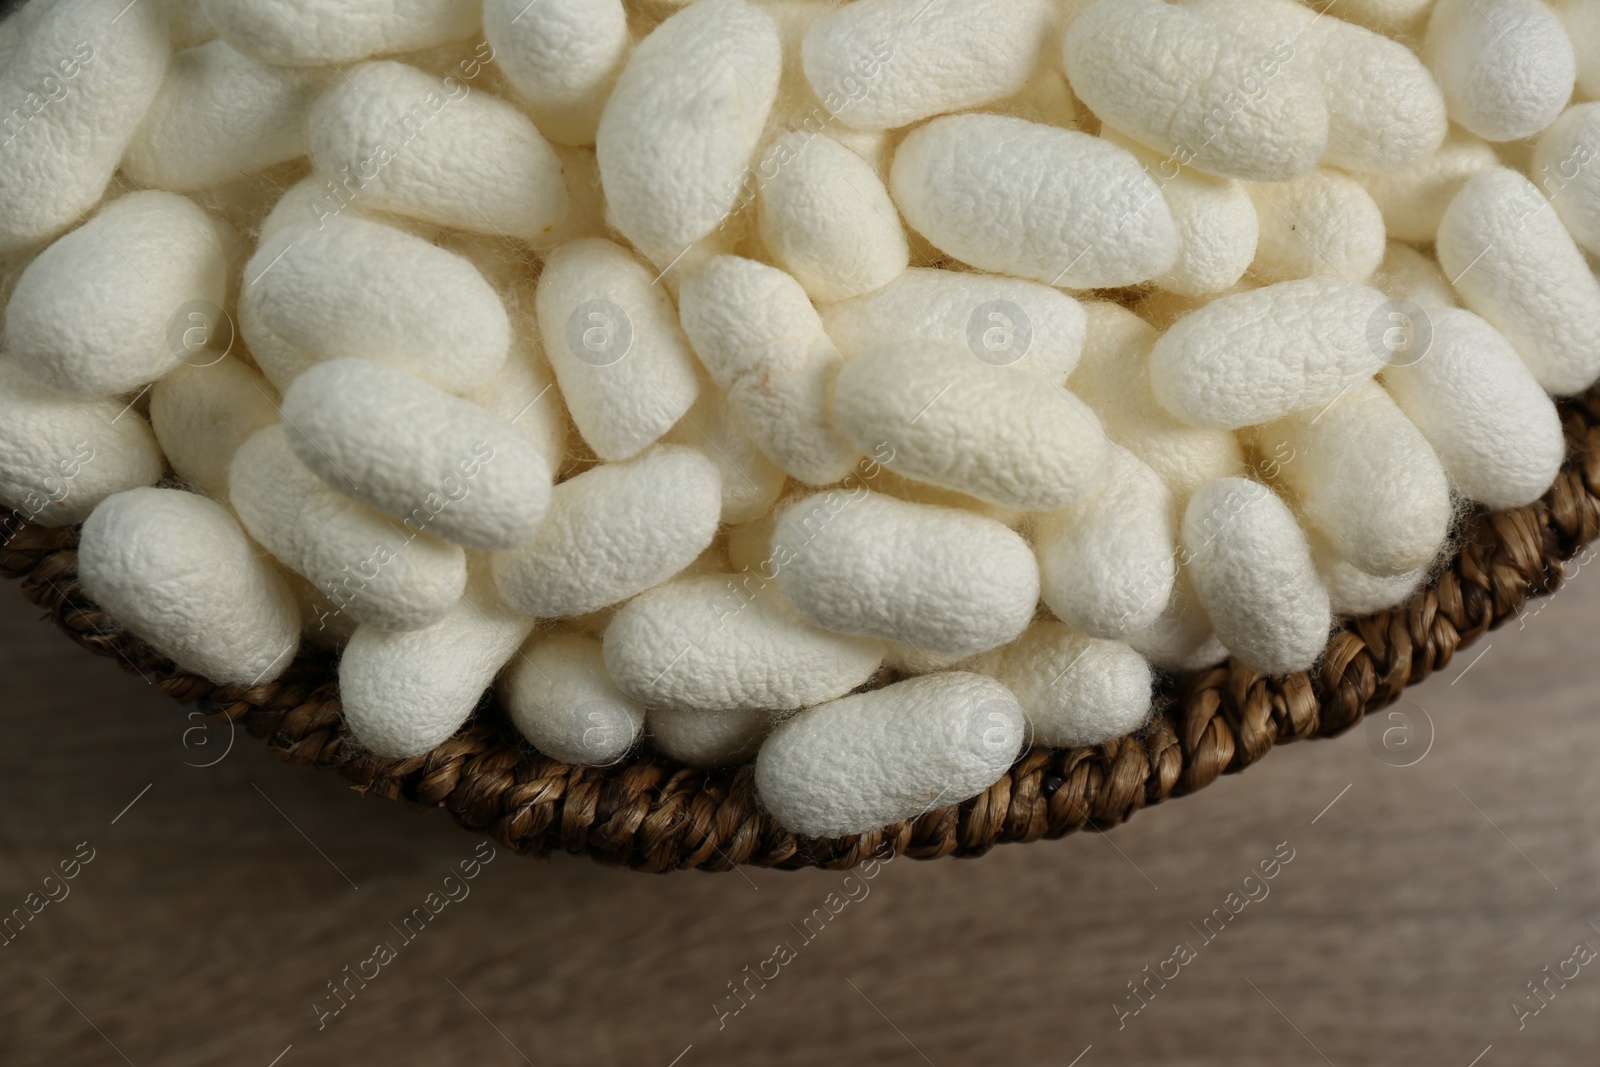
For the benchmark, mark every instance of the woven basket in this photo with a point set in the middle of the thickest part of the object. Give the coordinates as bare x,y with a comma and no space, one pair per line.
651,814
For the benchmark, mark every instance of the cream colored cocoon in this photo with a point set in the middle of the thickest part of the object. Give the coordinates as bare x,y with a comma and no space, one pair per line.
60,151
711,643
613,531
405,692
1406,274
1582,20
1366,479
1005,321
561,57
1413,199
310,33
1255,356
996,433
351,287
560,699
1106,563
751,482
612,337
1251,568
94,313
1404,19
1216,220
877,64
523,392
1506,66
708,739
220,115
871,759
1163,75
434,150
1182,639
827,218
759,337
677,134
392,441
1114,378
378,571
61,455
1513,263
1352,592
177,571
934,578
1075,690
1321,223
1494,429
202,414
1385,111
1016,197
1566,166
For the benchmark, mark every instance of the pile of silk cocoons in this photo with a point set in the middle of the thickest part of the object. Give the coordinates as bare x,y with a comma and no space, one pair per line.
870,390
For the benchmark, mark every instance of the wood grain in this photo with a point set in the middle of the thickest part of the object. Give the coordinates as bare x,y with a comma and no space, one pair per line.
218,907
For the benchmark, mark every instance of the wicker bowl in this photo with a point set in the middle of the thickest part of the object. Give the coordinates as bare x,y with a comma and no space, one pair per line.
651,814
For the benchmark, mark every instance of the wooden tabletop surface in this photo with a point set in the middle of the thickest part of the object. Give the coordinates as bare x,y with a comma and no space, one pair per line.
226,909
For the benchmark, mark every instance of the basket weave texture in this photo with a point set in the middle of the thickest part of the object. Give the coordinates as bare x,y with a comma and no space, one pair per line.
650,814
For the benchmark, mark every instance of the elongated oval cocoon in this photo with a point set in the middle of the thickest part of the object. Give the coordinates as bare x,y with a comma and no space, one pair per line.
939,579
1366,479
1408,275
1496,432
434,150
1186,86
1216,221
759,337
1003,321
1106,563
708,739
219,115
202,414
94,313
613,531
1413,199
877,64
751,482
377,571
61,455
827,219
1251,568
722,642
405,692
176,570
1513,263
1506,66
59,153
1566,166
1582,20
560,699
612,338
562,57
350,287
310,33
1114,379
1182,639
396,443
1255,356
1075,690
1321,223
871,759
678,131
523,392
1352,592
1385,110
1036,201
996,433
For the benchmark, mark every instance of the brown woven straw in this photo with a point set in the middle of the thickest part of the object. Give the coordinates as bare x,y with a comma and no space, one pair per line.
651,814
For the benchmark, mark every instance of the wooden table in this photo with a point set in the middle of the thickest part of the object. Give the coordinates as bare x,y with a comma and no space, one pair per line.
224,903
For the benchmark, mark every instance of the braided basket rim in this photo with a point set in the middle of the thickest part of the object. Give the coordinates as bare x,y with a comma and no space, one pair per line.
649,813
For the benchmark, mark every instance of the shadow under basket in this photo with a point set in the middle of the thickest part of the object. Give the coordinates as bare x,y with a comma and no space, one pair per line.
651,814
